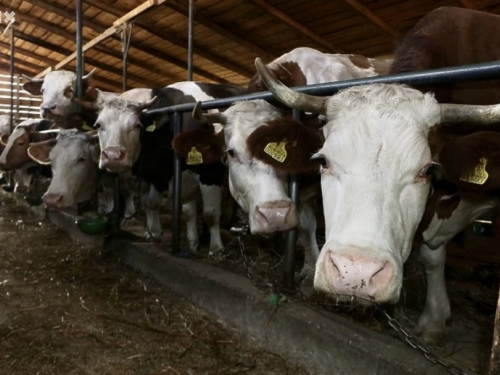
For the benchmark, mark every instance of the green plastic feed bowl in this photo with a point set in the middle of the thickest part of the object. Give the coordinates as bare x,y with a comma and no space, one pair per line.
92,226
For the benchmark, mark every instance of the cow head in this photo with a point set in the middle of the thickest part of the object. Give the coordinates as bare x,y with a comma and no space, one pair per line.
73,157
15,154
257,187
57,89
374,178
119,125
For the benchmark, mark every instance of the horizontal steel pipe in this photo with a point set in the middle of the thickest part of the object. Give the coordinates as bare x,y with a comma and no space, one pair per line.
465,73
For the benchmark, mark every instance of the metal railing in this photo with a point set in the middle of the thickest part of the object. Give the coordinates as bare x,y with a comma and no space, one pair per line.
466,73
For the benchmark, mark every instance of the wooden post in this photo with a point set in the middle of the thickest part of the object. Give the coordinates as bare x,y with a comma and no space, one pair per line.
495,349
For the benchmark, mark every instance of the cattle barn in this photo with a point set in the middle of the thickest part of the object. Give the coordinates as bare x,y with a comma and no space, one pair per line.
249,186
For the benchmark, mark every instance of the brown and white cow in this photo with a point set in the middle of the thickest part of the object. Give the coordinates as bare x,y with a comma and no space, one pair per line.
306,66
376,159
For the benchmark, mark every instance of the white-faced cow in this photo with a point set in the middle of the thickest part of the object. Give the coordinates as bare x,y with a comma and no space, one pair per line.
377,158
58,90
73,157
131,140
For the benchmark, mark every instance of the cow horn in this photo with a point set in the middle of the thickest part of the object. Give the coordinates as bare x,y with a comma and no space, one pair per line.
208,118
89,76
147,104
31,79
287,96
477,114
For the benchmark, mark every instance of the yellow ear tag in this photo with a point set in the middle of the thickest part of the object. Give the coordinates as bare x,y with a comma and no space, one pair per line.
152,127
86,127
194,157
480,176
277,151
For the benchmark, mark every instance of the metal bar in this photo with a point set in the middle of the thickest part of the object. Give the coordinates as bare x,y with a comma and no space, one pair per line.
190,40
79,50
116,203
125,61
464,73
291,235
18,101
12,78
176,196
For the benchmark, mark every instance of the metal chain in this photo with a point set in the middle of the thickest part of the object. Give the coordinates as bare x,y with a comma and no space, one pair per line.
414,342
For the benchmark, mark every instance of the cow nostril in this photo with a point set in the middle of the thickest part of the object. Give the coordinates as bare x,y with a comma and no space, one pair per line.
383,275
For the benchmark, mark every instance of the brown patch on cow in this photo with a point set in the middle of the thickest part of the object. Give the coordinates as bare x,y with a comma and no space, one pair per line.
288,72
445,207
40,151
441,189
460,157
206,142
381,67
301,144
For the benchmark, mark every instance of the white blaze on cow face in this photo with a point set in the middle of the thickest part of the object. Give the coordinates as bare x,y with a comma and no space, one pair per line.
374,188
119,128
74,169
257,187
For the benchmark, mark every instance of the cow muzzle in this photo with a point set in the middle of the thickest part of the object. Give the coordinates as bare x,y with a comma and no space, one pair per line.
53,200
273,217
115,157
354,274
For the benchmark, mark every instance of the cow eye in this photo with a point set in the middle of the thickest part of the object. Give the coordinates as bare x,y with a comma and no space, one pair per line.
321,160
97,125
20,144
81,160
429,169
231,153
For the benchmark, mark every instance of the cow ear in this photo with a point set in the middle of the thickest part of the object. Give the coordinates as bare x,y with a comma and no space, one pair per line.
40,151
81,121
286,145
472,161
199,146
33,87
89,91
4,139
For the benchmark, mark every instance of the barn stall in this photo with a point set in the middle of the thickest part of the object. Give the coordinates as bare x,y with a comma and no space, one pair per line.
227,36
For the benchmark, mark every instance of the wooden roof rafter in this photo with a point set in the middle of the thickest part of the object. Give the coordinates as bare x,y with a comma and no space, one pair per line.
469,4
47,60
222,31
372,17
142,48
297,26
177,41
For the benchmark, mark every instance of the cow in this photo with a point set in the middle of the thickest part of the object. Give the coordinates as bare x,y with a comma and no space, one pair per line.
306,66
133,141
4,129
58,91
260,190
73,157
14,156
377,161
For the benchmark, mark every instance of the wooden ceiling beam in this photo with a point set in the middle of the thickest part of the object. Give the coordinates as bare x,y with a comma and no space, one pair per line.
49,61
177,41
17,69
372,17
130,16
469,4
297,26
226,33
142,48
64,51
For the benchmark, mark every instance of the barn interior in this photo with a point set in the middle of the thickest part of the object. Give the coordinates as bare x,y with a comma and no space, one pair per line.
228,36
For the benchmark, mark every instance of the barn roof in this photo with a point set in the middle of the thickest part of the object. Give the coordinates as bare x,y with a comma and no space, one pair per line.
228,34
